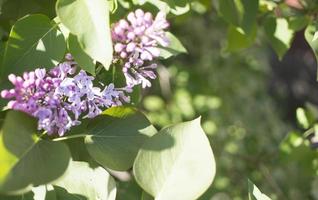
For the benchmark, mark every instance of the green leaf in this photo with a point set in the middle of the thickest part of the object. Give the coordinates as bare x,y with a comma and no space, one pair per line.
115,137
83,182
279,35
89,21
298,23
43,192
113,5
228,10
311,35
83,60
176,162
34,42
175,47
302,118
250,9
146,196
237,39
254,193
178,7
25,159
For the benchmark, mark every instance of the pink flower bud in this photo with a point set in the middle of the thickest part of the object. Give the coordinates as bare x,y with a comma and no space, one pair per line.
119,47
5,94
131,35
131,47
139,13
12,78
123,54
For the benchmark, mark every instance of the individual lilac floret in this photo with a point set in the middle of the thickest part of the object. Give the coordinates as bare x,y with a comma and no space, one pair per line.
136,42
58,98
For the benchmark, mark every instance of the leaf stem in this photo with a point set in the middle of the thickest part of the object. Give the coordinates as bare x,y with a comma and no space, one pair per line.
69,137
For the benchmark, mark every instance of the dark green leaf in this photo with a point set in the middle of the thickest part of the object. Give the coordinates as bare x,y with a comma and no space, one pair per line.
83,60
228,10
25,159
28,48
250,9
115,137
298,23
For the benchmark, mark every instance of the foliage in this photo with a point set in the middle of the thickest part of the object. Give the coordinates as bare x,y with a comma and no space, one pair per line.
120,154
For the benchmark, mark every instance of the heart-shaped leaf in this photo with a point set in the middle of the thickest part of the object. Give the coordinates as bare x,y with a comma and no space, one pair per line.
176,162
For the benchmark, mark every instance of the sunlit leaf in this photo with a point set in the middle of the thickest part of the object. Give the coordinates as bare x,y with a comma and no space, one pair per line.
89,21
83,182
254,193
279,35
175,47
176,162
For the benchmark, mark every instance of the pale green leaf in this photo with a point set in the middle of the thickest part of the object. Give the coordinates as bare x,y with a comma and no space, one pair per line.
25,159
82,182
115,137
175,47
89,21
176,162
302,118
254,193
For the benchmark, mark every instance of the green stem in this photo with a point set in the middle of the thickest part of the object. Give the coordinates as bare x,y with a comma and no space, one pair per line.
69,137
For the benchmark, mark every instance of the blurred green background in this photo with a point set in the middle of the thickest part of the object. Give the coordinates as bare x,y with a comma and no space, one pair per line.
248,115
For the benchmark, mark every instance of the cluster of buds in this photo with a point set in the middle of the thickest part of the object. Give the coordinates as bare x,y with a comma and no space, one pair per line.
136,41
58,98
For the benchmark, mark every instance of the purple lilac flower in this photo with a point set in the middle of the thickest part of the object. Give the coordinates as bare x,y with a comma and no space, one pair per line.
58,98
136,42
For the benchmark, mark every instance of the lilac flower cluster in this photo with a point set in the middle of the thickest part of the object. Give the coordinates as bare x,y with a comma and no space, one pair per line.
58,97
136,42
